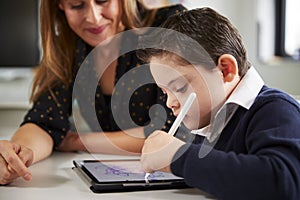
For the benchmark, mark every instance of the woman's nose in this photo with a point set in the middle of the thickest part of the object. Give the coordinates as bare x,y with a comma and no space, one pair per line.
94,14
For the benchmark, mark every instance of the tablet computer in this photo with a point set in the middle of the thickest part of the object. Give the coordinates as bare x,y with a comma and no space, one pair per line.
124,176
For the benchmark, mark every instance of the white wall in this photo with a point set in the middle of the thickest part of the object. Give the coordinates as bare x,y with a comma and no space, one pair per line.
243,14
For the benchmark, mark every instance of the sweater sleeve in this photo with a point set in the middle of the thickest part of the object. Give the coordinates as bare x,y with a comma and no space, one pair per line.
268,169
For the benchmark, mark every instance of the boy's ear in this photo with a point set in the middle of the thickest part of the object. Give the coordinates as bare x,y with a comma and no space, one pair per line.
228,66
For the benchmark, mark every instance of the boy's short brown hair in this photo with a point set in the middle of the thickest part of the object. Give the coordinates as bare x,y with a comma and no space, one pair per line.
212,31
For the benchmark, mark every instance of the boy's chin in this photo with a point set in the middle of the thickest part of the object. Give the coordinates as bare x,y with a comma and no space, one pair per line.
190,125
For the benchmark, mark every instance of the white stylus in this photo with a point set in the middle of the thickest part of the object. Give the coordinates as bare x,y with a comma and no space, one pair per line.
178,120
182,113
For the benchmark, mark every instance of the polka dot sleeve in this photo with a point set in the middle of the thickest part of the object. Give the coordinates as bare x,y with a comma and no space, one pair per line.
52,114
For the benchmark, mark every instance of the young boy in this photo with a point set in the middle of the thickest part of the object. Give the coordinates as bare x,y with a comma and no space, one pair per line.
247,143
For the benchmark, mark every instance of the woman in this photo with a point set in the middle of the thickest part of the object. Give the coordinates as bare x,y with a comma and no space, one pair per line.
70,29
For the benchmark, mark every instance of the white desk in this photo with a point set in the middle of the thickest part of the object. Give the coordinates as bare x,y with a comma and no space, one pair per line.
54,179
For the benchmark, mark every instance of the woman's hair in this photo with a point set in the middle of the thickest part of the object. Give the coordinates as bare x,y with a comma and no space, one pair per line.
59,42
212,33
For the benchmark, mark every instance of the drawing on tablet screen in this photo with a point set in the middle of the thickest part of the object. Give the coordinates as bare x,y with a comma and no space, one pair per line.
123,171
116,170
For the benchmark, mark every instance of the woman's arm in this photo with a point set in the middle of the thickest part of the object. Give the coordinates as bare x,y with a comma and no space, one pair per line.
34,138
118,142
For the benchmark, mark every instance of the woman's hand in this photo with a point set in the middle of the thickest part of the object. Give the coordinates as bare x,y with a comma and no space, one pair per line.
158,151
14,162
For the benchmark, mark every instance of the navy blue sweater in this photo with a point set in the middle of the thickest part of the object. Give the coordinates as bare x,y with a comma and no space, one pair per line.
257,155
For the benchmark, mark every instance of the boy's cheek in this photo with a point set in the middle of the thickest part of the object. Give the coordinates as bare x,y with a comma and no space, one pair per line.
192,119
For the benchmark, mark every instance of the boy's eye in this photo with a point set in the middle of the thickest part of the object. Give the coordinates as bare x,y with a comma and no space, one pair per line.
182,89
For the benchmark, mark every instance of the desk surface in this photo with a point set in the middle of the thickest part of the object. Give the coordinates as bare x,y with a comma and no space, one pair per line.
54,179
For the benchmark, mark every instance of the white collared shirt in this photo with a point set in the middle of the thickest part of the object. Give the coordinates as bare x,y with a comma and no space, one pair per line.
243,95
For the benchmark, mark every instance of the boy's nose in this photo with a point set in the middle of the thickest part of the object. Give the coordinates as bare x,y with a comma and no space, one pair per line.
173,103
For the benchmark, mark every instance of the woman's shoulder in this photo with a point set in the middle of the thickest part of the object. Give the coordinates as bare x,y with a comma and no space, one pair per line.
164,12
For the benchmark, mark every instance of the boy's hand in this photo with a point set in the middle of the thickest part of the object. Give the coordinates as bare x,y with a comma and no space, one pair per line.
14,160
158,151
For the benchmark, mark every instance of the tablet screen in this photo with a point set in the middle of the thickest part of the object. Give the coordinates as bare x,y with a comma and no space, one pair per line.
122,171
